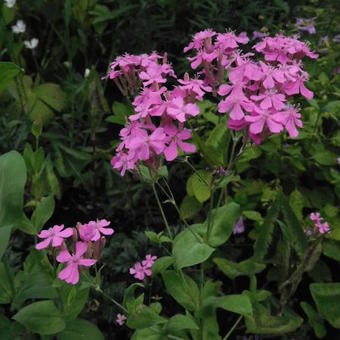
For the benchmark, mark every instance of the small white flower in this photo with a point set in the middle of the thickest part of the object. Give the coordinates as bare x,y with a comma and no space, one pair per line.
10,3
31,44
19,27
86,73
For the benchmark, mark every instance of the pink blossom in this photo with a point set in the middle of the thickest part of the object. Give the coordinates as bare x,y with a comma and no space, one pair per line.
144,144
138,271
235,102
298,86
196,86
122,162
70,273
179,110
121,319
260,118
270,98
320,225
149,261
53,236
95,229
176,139
291,119
271,75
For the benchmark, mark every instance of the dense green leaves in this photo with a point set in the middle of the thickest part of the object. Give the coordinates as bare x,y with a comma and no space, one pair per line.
326,297
41,317
314,319
182,288
79,329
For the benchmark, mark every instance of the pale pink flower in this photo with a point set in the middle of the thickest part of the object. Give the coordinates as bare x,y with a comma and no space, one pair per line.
99,228
260,118
138,271
176,139
235,102
53,236
320,225
149,261
290,118
179,110
70,273
121,319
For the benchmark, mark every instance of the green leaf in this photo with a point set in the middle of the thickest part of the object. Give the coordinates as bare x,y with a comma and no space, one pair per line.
189,249
12,184
232,269
80,329
267,228
217,143
7,289
144,317
189,207
200,184
8,72
5,234
314,320
43,212
331,249
35,286
162,264
223,220
41,317
74,299
179,322
52,95
10,330
247,155
326,297
262,322
182,288
295,232
236,303
296,201
129,294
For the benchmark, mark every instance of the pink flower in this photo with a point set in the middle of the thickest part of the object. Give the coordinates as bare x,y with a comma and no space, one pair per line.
270,98
236,101
321,226
121,319
261,117
122,162
298,86
149,261
98,228
86,232
271,75
138,271
53,236
143,144
291,119
153,74
179,110
176,139
70,273
306,25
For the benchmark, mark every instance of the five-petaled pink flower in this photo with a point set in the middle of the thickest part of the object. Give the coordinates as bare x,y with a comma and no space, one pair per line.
149,261
138,271
98,227
53,236
70,273
121,319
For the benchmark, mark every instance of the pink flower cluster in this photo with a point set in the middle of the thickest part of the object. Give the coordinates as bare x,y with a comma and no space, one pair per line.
321,226
141,270
86,252
257,92
157,127
121,318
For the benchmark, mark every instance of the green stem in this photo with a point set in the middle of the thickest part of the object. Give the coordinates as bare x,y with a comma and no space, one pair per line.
161,210
173,202
233,328
112,300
